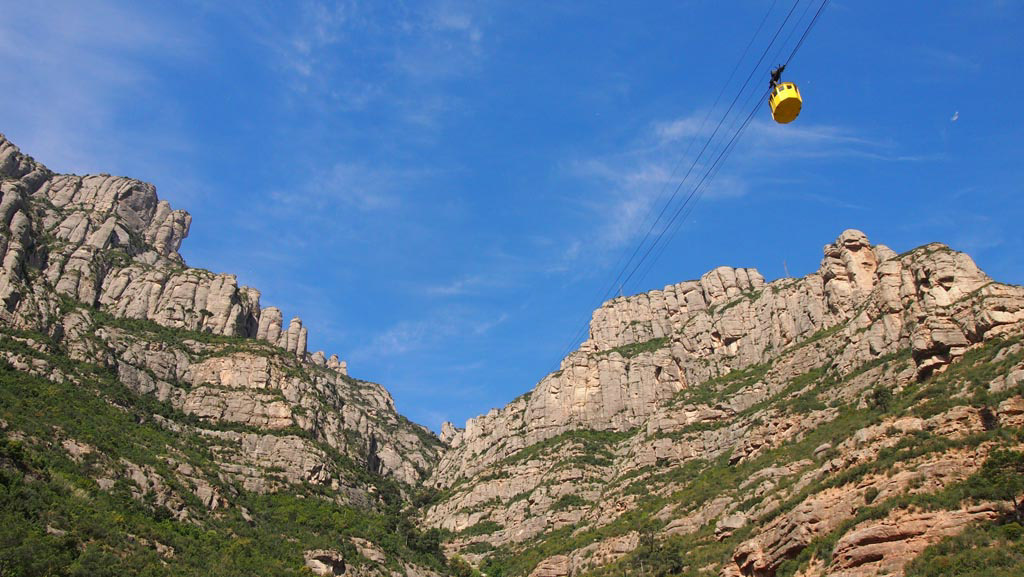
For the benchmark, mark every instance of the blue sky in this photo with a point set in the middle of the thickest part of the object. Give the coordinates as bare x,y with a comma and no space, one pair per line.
442,190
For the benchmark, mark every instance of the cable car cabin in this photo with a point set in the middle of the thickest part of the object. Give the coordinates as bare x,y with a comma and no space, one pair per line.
785,102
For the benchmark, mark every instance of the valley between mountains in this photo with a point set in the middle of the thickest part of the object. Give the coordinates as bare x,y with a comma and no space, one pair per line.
158,419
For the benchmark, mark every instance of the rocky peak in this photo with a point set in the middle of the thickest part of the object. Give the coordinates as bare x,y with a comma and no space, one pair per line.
86,256
106,205
448,432
848,270
20,166
645,348
732,414
115,245
638,318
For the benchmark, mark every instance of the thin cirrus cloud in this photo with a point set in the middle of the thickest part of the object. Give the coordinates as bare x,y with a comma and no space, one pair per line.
353,55
345,186
441,326
445,40
634,183
78,67
464,285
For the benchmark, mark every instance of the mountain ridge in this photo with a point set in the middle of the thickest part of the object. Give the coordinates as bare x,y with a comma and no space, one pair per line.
713,375
81,246
797,308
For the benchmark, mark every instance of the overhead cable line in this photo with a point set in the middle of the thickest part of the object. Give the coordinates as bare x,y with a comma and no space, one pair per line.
693,165
742,127
803,37
807,31
686,207
615,283
702,187
689,146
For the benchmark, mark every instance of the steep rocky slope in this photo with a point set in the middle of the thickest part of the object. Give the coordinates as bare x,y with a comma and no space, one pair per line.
98,303
728,425
92,262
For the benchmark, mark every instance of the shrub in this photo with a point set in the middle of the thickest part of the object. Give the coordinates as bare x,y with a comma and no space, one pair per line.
482,528
880,398
870,495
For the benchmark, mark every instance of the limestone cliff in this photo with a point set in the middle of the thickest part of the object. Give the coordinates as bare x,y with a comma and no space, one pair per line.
155,419
645,349
93,262
773,389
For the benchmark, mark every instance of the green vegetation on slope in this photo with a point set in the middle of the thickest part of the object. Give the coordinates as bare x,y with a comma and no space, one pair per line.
55,519
980,551
699,481
633,349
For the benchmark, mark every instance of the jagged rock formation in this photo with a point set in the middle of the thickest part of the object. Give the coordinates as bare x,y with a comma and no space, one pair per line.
109,242
163,392
77,244
731,319
731,371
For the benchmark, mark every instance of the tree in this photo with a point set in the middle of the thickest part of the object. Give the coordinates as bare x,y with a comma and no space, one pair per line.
1003,474
880,398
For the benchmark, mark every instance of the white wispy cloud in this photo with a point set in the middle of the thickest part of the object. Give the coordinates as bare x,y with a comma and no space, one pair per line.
482,327
945,60
768,140
671,131
442,325
445,40
458,287
82,68
344,188
351,56
633,184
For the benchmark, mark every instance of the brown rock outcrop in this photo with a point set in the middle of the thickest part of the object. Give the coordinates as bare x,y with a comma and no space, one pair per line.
557,566
325,562
884,547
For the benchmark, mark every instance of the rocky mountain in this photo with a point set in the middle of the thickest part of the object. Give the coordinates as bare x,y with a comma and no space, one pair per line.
227,406
84,258
730,426
155,419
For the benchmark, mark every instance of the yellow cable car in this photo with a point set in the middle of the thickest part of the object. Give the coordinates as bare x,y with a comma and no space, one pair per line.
785,102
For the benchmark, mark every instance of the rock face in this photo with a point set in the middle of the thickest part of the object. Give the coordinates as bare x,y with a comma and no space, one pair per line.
644,349
773,389
109,242
557,566
84,257
325,562
883,547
